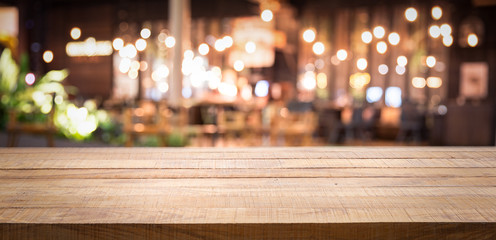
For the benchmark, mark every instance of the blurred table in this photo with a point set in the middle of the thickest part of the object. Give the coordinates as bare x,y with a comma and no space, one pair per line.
248,193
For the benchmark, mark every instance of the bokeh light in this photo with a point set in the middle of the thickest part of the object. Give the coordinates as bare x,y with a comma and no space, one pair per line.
402,61
170,41
309,35
411,14
393,97
434,31
145,33
342,54
118,44
430,61
361,64
30,79
48,56
434,82
418,82
267,15
436,12
383,69
318,48
75,33
381,47
250,47
472,40
203,49
140,44
367,37
262,88
239,65
379,32
373,94
394,38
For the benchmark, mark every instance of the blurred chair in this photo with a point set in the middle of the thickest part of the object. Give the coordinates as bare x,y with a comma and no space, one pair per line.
16,128
354,126
231,124
147,119
370,121
204,127
296,128
254,128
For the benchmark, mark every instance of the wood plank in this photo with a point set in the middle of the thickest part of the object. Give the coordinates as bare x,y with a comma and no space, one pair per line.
161,173
19,163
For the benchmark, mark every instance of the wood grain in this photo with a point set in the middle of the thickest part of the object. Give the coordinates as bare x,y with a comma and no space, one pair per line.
247,193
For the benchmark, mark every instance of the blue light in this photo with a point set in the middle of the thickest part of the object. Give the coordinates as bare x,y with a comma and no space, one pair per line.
393,97
262,88
187,92
374,94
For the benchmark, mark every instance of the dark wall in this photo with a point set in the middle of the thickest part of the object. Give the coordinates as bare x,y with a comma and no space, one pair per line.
91,75
472,122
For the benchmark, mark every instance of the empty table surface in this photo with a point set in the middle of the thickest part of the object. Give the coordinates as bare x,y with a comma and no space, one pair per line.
189,193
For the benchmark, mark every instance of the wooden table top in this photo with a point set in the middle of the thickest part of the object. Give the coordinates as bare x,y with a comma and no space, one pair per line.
247,185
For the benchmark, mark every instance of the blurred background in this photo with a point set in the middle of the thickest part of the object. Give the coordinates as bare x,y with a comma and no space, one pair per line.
247,72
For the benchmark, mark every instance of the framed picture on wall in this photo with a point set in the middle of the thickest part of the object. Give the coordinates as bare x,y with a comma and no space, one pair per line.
473,82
